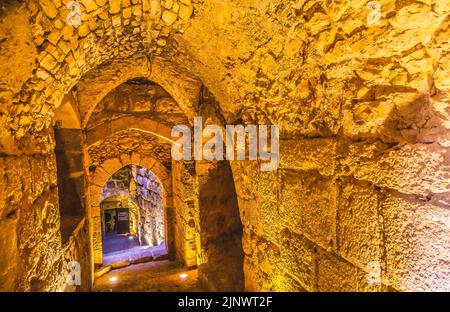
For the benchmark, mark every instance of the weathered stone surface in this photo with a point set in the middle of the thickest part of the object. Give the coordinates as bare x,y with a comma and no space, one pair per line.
150,199
308,205
15,49
360,223
337,275
77,249
363,111
298,259
91,5
102,271
309,154
119,265
417,240
142,260
49,8
114,6
8,254
185,11
169,17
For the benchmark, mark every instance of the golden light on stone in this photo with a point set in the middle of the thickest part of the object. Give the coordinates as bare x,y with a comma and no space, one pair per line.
361,94
113,279
183,276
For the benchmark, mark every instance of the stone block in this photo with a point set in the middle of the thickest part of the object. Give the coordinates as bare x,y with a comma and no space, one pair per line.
95,209
99,177
185,11
120,265
126,13
111,165
125,159
309,154
8,253
48,62
142,260
298,258
114,6
285,282
49,8
89,5
83,30
337,275
270,214
411,169
95,197
101,2
169,17
308,204
97,240
136,159
417,238
102,271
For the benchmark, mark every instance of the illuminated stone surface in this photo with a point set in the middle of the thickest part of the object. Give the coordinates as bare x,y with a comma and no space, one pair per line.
364,118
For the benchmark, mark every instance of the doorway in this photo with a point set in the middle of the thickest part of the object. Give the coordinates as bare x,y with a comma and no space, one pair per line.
117,221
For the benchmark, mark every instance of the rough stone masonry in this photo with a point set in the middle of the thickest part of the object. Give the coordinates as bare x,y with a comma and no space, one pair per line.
364,117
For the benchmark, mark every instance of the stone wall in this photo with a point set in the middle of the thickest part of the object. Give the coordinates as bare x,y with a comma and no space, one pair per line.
71,180
138,98
363,110
149,195
364,126
77,249
118,184
335,206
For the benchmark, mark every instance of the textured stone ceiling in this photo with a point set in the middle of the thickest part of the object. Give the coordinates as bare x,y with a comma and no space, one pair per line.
146,100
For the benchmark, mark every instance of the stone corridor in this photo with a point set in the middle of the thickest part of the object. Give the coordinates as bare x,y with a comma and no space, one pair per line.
93,92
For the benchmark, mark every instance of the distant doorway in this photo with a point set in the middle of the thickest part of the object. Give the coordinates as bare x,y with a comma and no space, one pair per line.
117,221
132,216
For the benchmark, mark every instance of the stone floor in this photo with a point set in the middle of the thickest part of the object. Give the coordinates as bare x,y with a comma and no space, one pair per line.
117,248
159,276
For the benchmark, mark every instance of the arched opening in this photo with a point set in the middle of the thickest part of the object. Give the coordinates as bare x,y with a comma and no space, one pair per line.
133,225
221,230
364,124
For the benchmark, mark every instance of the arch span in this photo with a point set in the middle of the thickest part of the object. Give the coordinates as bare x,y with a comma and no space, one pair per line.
98,133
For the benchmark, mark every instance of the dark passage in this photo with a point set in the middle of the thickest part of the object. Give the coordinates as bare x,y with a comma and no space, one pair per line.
221,230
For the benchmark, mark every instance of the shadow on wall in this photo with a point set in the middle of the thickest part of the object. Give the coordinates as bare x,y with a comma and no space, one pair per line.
69,164
221,231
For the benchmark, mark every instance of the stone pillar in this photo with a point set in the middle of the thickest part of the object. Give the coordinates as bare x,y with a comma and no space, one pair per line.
183,174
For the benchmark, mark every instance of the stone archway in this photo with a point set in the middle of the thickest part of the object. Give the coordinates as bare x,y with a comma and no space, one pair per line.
146,125
99,177
177,81
363,112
